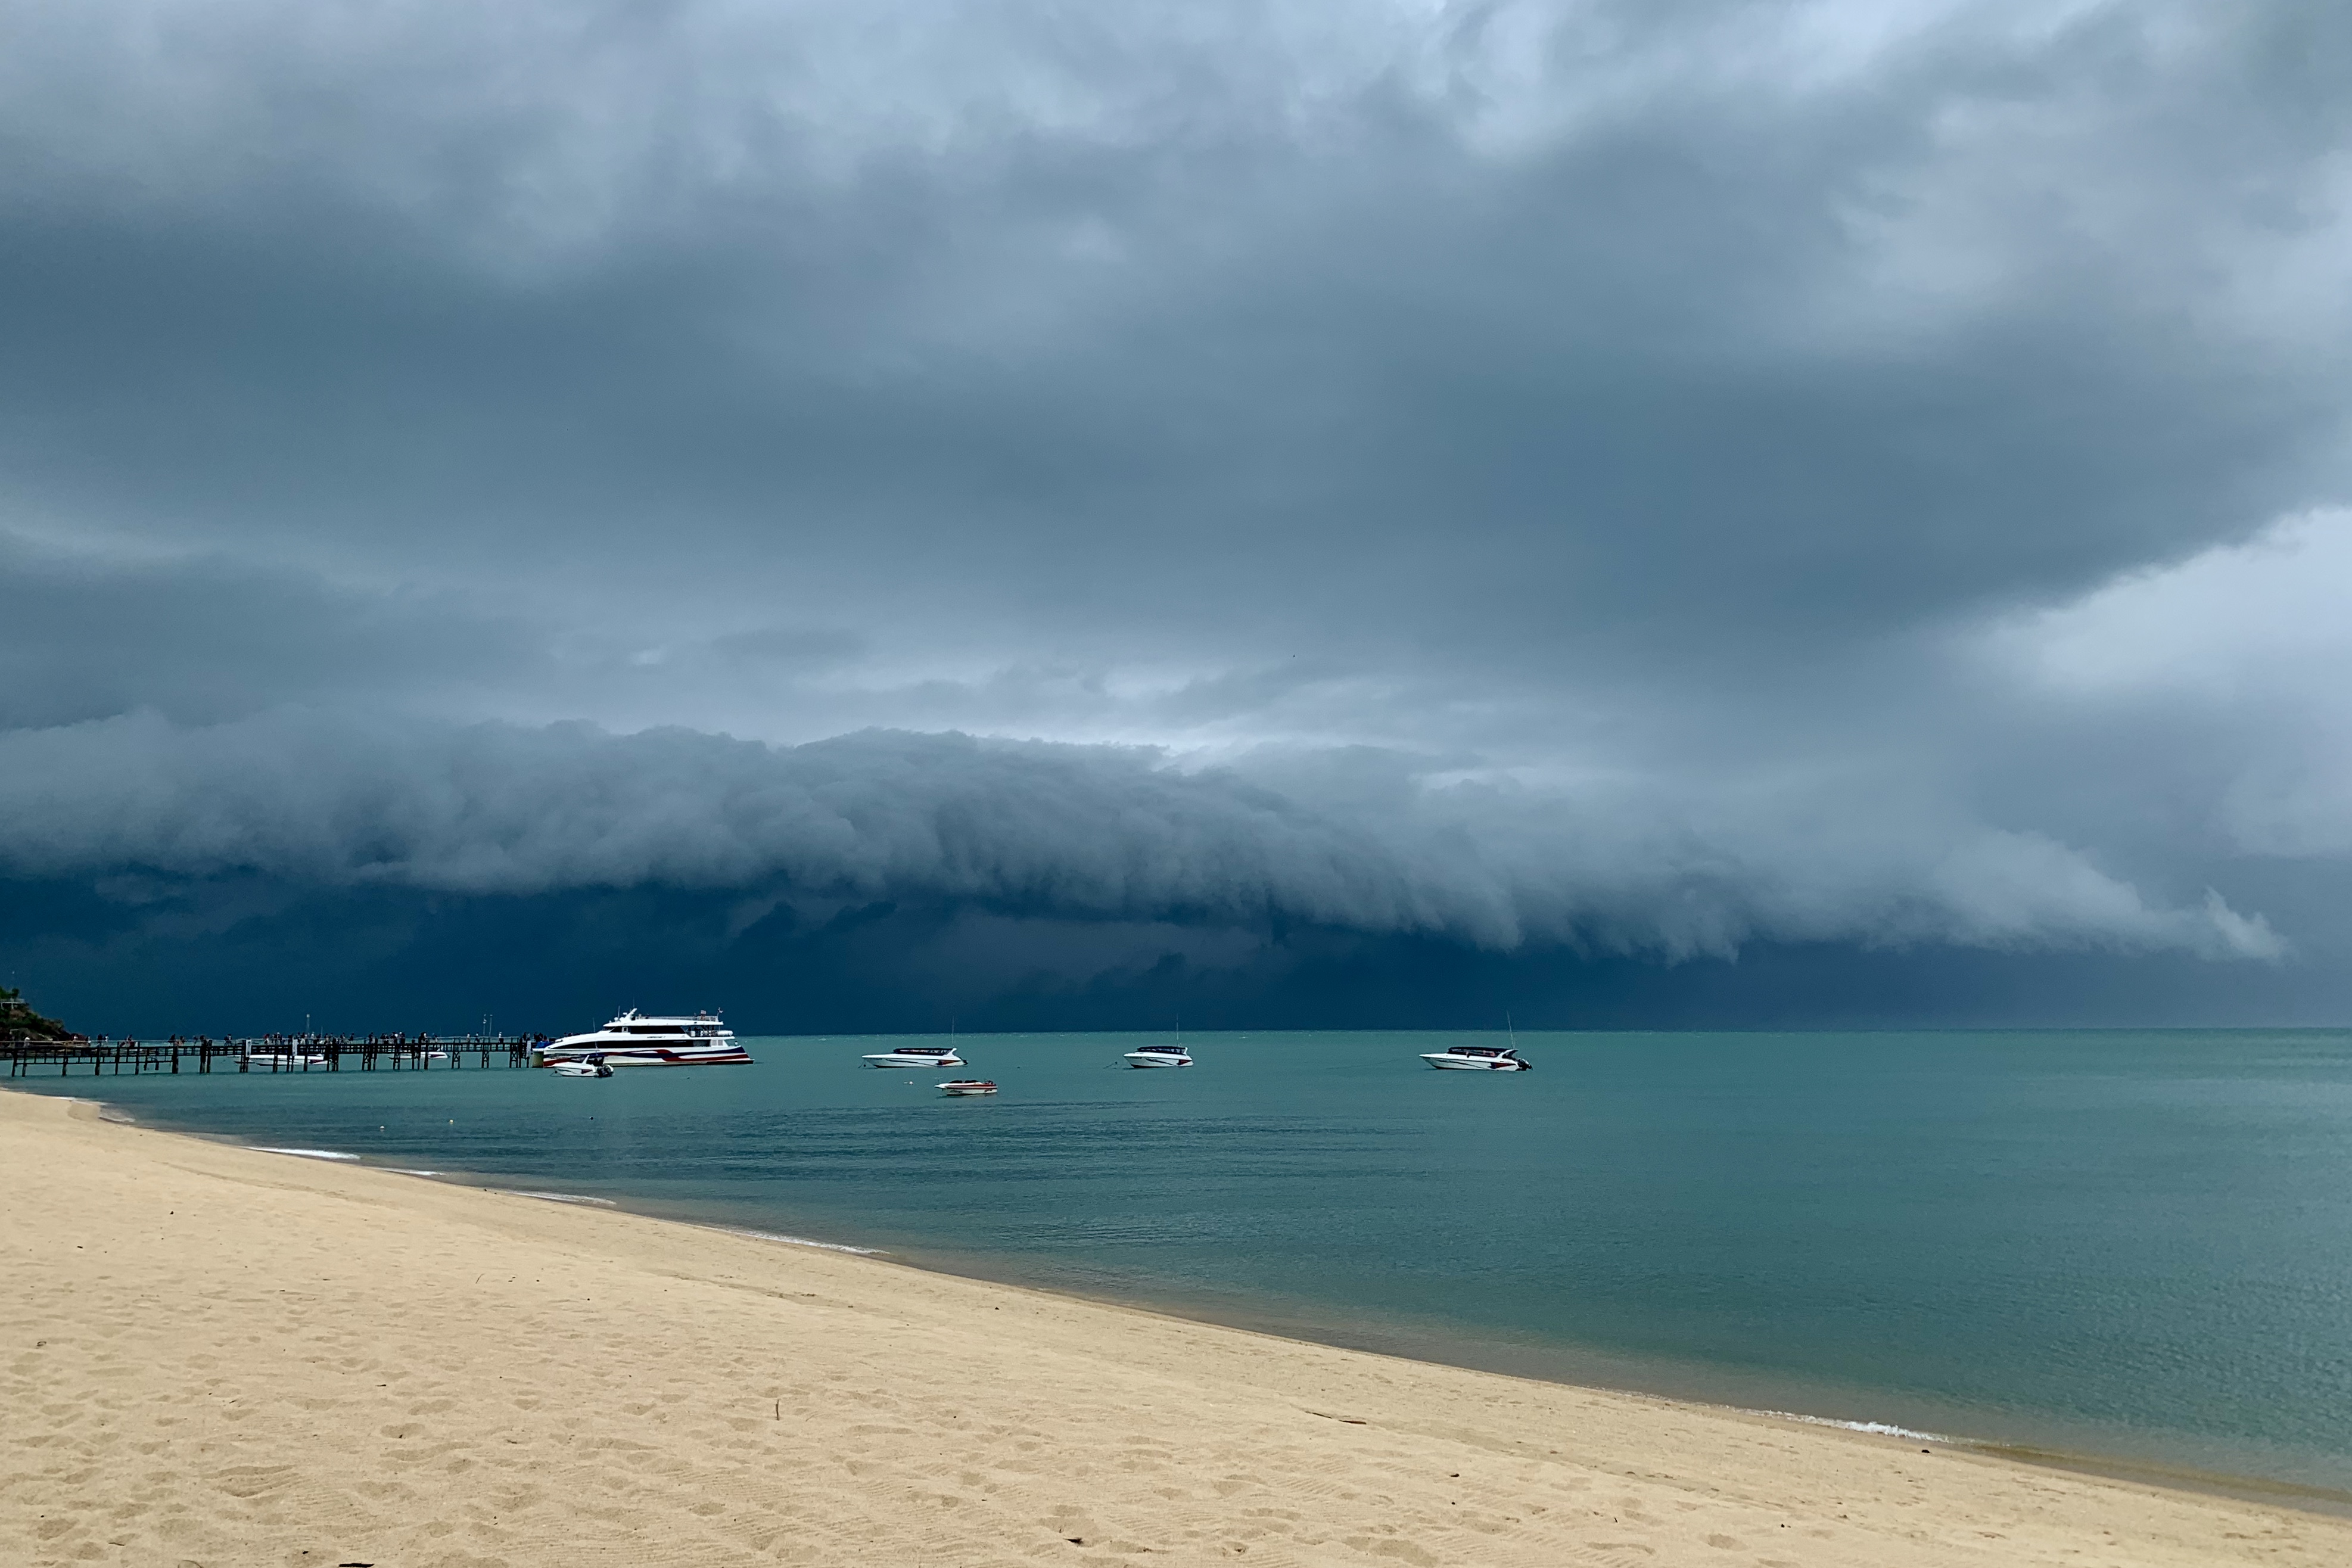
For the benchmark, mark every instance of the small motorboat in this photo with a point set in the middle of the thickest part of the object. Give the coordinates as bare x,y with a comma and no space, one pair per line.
955,1088
1477,1058
916,1056
1158,1056
584,1067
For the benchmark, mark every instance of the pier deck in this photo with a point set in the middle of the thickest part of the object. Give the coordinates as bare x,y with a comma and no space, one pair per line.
315,1052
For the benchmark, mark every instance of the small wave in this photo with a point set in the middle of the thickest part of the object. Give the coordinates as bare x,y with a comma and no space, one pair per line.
803,1241
404,1171
1875,1429
557,1197
304,1154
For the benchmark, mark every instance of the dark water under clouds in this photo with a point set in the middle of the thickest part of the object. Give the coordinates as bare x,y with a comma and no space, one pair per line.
2131,1244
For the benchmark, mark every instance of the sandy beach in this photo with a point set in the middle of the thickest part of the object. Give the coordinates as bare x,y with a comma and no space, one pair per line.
219,1356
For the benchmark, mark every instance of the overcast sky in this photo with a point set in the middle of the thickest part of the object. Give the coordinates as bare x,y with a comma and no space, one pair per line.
1043,511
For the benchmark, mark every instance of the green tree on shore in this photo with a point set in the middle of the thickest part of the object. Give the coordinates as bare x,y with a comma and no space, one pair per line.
19,1022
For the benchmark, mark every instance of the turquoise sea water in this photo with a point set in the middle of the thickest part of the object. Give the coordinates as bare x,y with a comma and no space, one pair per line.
2136,1244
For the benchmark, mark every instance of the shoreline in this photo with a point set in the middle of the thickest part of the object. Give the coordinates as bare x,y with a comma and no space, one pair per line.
2308,1496
933,1417
2171,1475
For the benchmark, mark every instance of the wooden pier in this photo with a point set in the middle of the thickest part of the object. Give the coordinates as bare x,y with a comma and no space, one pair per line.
271,1053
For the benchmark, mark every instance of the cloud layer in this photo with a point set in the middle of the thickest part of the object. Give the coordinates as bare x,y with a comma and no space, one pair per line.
1625,477
1365,843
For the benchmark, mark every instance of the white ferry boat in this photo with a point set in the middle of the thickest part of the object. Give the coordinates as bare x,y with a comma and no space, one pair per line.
634,1040
1158,1056
916,1056
1477,1058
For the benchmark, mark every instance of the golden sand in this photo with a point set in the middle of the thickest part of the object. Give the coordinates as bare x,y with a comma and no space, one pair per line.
223,1357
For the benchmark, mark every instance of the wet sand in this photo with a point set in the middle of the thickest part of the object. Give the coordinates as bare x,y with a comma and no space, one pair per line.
218,1356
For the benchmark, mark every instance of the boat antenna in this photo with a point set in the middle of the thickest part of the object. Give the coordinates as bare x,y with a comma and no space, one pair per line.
1510,1030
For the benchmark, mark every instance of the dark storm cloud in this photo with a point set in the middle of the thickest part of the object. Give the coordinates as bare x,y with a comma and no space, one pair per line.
207,639
1580,468
1597,314
1356,841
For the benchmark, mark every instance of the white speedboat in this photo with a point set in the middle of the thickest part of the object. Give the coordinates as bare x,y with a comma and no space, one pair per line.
634,1040
1477,1058
283,1059
916,1056
957,1087
586,1067
1158,1056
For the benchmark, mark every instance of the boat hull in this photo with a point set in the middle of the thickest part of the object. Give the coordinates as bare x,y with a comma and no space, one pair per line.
1443,1065
654,1056
888,1061
1146,1062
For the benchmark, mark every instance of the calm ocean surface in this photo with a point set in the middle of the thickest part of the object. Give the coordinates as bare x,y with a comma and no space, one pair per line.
2136,1244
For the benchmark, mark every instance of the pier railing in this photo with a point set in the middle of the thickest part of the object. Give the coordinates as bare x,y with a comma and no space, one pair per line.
272,1054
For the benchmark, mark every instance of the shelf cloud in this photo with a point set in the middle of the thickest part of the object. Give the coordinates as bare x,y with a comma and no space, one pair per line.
1052,830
